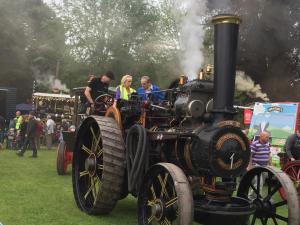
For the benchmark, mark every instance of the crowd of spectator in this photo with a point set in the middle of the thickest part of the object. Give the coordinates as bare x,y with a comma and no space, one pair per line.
13,132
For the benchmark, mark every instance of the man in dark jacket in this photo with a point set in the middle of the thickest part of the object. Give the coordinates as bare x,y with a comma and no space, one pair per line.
292,146
30,136
97,87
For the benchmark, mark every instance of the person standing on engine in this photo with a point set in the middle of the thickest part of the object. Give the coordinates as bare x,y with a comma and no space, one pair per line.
124,90
97,87
260,156
150,90
292,146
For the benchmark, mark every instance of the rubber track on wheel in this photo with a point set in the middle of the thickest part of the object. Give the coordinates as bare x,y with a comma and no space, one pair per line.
113,165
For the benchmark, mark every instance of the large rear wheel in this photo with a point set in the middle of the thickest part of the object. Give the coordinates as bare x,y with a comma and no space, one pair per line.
98,165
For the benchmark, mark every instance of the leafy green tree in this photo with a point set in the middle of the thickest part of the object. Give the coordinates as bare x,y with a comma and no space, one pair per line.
31,42
123,36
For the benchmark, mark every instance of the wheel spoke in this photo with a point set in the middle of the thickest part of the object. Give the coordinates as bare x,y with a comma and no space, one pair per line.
93,134
263,222
278,185
266,220
93,187
165,222
150,219
281,217
97,192
278,204
86,149
294,179
274,220
95,142
89,190
100,152
163,184
171,202
294,172
258,184
83,173
256,192
153,192
94,138
150,203
270,175
253,219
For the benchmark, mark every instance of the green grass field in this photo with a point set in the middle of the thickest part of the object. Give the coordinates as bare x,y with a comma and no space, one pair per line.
31,193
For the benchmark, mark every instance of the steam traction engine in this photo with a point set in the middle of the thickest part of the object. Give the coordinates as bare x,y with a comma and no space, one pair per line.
180,158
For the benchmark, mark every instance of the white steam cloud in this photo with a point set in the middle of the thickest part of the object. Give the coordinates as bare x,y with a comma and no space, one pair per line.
48,80
192,36
246,84
55,83
222,6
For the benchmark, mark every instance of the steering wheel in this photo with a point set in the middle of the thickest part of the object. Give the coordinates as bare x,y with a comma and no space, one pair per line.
102,103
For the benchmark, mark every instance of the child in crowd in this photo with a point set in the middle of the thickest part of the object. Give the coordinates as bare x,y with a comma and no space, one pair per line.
10,138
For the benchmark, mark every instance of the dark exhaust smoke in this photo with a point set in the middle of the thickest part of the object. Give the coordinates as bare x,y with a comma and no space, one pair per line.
269,47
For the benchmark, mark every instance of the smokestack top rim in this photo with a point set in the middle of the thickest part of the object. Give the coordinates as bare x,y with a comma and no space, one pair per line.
226,18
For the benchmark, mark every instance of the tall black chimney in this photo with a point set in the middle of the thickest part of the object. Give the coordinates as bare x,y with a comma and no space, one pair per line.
225,48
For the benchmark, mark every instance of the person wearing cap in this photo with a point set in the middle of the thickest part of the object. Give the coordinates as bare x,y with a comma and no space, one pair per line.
97,87
30,136
292,146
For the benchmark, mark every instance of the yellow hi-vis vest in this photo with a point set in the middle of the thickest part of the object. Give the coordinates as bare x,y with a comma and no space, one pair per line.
18,122
124,94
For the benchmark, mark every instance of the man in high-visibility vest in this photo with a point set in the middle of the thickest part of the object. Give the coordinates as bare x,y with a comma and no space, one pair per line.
124,90
19,121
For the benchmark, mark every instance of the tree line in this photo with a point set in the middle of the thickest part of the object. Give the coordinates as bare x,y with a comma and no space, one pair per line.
73,38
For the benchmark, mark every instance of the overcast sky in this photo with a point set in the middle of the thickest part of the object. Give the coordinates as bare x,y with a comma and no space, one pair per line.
49,1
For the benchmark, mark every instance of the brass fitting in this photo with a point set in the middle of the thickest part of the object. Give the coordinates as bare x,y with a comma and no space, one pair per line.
226,19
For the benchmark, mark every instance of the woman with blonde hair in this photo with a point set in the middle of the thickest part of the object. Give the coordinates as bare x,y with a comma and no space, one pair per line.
124,90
